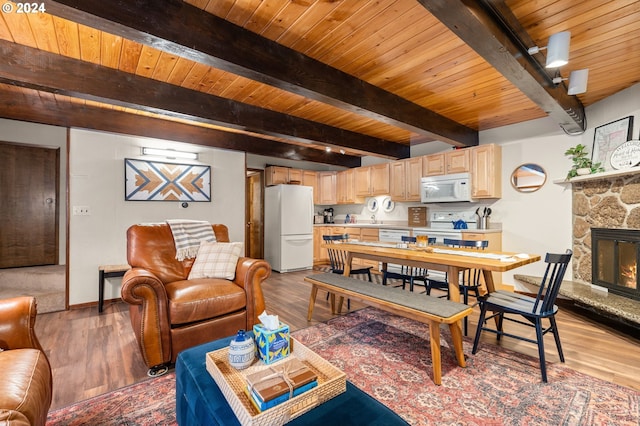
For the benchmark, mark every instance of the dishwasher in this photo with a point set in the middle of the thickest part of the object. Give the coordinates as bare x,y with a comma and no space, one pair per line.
393,236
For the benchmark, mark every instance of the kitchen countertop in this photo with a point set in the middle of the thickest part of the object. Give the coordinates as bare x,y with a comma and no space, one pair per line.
404,225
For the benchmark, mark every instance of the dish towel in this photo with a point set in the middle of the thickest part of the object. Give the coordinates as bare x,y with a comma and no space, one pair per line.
188,234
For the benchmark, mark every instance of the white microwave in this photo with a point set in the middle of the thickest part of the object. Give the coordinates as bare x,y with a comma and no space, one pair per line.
446,188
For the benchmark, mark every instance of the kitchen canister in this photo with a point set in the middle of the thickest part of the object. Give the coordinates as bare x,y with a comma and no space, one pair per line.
242,351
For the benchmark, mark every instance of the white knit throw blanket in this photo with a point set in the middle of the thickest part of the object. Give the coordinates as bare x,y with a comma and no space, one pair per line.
187,235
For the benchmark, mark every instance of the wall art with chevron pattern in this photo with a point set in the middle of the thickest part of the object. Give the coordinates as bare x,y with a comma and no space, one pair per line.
155,181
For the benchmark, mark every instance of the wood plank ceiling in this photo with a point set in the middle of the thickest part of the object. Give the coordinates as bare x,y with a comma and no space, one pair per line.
291,78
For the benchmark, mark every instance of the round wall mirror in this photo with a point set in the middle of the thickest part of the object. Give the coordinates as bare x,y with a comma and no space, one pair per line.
528,177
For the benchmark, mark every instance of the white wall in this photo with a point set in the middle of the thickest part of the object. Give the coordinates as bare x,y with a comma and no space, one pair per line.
97,181
541,221
51,137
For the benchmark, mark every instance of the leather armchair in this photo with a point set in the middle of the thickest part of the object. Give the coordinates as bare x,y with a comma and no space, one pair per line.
170,313
25,374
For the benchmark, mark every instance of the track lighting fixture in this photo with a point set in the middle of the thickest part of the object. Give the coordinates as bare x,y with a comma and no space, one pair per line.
557,50
577,81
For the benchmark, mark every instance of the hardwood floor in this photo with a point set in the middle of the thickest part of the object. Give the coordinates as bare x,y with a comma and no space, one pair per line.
91,354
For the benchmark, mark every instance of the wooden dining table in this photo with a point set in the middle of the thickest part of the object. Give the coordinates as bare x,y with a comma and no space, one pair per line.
440,258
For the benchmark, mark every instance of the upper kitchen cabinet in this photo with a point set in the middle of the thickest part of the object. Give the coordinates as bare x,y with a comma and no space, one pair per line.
345,189
486,171
276,175
404,179
295,176
309,178
372,180
326,193
456,161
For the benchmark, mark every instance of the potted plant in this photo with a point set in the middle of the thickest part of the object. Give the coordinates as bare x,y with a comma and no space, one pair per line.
582,164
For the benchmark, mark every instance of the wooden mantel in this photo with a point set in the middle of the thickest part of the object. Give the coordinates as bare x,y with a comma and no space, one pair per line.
602,175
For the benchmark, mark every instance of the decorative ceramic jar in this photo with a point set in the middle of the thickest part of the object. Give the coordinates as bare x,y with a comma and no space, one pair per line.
242,351
583,171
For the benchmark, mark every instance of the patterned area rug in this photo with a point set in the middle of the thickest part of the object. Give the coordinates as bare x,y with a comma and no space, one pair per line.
148,403
389,358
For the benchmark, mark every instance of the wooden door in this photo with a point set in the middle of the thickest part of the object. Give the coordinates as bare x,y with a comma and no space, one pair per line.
254,232
29,183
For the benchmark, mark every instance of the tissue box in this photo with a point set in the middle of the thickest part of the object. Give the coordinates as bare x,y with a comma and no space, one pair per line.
272,345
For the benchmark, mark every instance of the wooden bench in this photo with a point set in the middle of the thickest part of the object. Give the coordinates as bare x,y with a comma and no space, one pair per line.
427,309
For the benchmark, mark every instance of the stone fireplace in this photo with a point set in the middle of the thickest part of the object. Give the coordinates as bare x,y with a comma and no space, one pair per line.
609,203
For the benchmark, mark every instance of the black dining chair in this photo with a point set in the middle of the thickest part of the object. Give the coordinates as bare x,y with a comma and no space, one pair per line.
338,258
410,274
469,280
534,309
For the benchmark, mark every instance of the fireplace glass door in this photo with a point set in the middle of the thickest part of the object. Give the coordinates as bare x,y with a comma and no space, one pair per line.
615,260
627,265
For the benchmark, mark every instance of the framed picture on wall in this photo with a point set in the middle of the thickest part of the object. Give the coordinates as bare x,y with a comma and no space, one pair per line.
608,137
155,181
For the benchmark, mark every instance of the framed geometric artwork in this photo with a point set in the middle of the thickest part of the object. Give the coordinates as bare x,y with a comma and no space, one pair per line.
609,137
155,181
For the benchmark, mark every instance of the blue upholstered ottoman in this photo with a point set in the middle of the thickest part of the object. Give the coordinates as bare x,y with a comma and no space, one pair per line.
199,401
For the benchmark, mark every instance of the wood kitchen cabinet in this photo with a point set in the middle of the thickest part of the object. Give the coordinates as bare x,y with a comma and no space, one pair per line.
404,179
320,255
275,175
486,171
295,175
372,180
309,178
345,190
456,161
326,188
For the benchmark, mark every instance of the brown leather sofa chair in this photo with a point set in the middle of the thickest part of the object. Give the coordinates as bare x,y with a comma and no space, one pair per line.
25,373
170,313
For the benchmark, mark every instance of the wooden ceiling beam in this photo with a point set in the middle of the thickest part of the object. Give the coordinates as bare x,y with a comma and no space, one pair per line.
184,30
480,25
46,110
40,70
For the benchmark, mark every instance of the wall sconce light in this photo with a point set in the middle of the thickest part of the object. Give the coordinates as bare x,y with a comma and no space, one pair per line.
577,81
170,153
558,50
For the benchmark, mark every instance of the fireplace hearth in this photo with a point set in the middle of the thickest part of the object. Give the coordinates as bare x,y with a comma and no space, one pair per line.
615,258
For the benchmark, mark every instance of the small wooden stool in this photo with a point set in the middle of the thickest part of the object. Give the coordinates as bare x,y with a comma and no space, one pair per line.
108,271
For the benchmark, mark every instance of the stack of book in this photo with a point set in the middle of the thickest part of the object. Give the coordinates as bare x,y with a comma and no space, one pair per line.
279,383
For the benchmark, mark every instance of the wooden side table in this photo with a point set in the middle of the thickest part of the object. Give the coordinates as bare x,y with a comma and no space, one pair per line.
108,271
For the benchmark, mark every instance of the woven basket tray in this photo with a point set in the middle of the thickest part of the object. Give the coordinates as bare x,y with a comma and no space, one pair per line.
232,382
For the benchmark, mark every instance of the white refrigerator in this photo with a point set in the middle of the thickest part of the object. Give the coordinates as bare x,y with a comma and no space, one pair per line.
288,227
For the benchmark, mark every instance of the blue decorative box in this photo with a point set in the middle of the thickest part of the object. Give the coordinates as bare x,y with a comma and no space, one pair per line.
272,345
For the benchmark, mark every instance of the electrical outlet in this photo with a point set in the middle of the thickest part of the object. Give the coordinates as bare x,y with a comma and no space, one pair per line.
81,211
